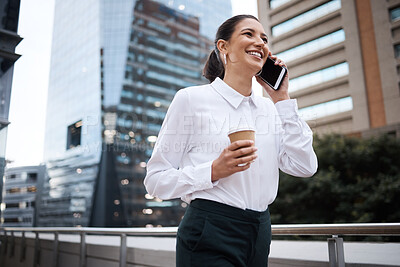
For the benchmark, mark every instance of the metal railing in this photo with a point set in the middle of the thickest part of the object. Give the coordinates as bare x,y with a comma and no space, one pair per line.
335,243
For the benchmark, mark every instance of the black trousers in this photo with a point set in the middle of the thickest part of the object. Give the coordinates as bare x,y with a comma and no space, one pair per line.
214,234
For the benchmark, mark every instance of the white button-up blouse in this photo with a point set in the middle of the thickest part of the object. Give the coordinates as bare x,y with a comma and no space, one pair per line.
194,133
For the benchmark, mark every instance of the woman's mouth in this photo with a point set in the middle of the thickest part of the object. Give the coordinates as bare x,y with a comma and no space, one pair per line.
254,53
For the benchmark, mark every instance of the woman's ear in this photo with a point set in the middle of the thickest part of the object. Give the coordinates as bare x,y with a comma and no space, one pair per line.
222,46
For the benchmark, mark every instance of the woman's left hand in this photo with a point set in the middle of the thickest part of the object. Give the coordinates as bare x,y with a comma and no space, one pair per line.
283,92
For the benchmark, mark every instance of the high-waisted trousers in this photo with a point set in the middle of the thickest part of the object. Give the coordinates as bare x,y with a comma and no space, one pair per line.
214,234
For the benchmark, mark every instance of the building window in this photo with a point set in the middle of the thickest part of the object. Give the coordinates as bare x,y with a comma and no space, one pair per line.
74,135
306,17
187,37
276,3
312,46
164,78
158,27
31,189
395,14
11,220
125,107
326,109
397,50
172,68
32,175
12,205
319,77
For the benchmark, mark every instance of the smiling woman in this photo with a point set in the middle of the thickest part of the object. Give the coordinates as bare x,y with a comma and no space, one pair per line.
248,7
229,184
237,51
247,45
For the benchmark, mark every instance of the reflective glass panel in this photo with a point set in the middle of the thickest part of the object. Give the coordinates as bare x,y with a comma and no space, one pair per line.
306,17
397,50
326,109
318,77
312,46
395,14
276,3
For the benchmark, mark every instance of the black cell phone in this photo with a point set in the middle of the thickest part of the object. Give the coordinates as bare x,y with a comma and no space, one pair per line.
272,74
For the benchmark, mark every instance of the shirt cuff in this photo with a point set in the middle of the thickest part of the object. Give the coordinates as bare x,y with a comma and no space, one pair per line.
287,108
202,177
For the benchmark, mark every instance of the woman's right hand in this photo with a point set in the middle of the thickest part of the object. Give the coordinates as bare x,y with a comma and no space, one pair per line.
228,161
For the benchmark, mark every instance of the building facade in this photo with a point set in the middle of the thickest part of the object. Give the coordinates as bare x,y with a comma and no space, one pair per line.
343,58
9,39
115,67
22,188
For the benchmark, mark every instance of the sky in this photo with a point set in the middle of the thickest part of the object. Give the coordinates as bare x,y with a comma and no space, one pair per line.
25,140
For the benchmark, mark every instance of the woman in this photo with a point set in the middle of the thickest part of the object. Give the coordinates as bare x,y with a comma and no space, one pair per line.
229,186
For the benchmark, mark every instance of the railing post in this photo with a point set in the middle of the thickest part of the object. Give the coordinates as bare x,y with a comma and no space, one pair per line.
22,255
12,247
332,252
3,252
122,251
36,255
82,262
55,250
336,251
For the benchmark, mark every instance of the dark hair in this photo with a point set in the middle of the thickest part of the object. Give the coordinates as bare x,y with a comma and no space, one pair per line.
214,67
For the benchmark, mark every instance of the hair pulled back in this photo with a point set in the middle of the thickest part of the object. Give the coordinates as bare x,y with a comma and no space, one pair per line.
214,67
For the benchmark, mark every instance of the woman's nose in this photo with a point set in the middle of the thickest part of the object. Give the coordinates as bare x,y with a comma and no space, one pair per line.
260,42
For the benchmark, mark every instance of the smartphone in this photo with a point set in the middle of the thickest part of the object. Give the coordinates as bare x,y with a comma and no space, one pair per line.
272,74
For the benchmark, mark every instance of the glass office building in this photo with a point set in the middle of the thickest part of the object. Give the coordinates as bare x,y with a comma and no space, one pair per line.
115,67
9,39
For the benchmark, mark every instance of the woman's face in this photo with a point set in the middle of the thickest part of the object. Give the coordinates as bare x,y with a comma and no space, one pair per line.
248,45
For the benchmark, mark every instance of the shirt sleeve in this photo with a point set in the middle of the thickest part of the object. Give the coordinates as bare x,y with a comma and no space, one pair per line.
165,178
295,138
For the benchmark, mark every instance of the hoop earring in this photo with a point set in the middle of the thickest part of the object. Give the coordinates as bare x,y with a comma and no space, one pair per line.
225,58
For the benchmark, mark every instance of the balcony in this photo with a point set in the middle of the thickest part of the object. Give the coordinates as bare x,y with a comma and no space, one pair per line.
97,247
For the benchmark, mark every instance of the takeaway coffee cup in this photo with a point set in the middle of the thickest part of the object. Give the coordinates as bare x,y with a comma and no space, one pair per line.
242,134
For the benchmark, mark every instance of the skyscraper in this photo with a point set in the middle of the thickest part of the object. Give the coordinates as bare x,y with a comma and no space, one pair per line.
343,58
9,39
115,67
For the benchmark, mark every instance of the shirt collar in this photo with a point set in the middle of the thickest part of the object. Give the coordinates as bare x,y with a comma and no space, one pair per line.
231,95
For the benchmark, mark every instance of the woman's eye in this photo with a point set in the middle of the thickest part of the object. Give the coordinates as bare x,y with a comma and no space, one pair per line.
248,33
265,40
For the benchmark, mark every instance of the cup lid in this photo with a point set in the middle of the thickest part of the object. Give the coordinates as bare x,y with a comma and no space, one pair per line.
240,129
